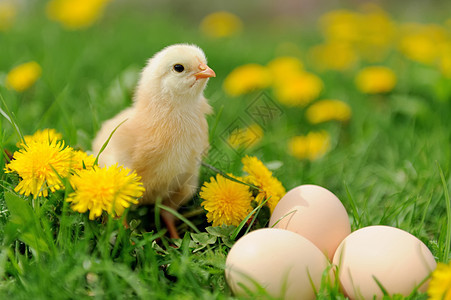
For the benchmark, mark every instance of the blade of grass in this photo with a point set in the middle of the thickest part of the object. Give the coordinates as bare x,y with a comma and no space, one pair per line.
178,215
445,254
215,125
283,217
157,214
9,116
238,229
53,106
379,284
4,153
107,141
223,174
254,218
418,286
355,212
423,217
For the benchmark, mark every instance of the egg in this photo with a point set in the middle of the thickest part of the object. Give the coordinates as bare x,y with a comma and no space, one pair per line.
315,213
397,259
282,262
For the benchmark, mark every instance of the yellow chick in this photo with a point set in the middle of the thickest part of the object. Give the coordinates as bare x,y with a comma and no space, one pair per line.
165,132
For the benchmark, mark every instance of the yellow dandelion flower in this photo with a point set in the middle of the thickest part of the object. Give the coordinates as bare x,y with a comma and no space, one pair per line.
245,137
375,80
421,42
227,202
247,78
111,189
311,146
258,175
76,14
42,136
81,160
327,110
40,167
23,76
440,284
338,56
283,67
299,90
7,15
221,24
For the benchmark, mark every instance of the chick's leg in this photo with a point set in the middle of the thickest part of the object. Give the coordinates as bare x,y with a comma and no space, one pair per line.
184,193
169,220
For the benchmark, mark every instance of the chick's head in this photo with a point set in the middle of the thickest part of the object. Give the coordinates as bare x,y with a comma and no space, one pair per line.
178,70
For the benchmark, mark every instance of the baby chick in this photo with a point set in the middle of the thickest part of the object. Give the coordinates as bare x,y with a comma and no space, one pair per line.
165,132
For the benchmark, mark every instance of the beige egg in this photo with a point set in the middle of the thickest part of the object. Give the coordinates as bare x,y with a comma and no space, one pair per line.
397,259
282,262
315,213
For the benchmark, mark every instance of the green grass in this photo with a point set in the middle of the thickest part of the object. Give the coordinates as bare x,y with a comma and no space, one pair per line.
389,165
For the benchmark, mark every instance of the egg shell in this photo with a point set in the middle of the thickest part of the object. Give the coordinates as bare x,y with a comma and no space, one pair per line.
317,214
278,260
398,260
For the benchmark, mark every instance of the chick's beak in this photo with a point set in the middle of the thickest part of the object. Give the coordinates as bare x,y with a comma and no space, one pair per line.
204,72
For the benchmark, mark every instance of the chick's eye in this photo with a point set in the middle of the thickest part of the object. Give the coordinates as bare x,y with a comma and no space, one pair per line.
179,68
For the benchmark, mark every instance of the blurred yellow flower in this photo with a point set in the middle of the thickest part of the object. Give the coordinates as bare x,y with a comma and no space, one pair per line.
444,60
268,186
245,137
445,65
42,136
40,166
339,56
111,189
377,33
375,80
76,14
23,76
247,78
440,284
311,146
421,42
227,202
221,24
7,15
370,32
327,110
341,25
299,90
283,67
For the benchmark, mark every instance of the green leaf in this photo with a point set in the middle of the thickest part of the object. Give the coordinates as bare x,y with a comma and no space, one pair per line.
21,211
185,245
26,221
221,231
34,241
203,238
228,241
